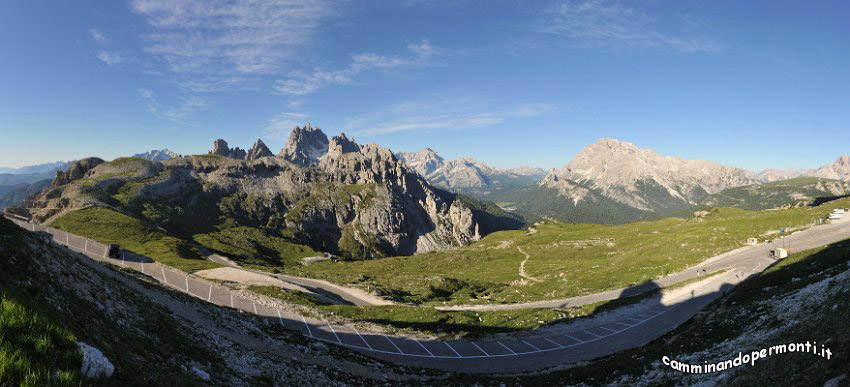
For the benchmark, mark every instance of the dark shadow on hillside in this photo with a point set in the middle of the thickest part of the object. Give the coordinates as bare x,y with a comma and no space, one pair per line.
826,199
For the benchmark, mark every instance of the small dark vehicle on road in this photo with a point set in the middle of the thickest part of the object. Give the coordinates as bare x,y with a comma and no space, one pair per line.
113,251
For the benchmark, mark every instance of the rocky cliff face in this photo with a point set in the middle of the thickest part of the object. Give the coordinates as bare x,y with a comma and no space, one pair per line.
77,170
305,146
466,174
644,179
357,201
259,150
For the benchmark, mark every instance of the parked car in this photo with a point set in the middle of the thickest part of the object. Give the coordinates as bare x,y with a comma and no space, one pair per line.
113,251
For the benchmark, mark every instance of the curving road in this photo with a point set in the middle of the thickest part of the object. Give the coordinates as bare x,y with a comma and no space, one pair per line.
518,352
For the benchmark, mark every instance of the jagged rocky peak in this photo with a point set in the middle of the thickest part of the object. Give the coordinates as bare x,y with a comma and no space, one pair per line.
77,170
340,144
259,150
305,146
220,148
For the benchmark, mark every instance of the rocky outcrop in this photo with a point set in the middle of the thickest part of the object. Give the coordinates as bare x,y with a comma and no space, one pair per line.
76,171
259,150
220,148
95,364
341,144
305,146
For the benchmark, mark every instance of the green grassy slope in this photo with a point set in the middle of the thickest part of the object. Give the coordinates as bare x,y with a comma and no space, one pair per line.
535,203
465,323
567,259
793,192
48,302
798,300
35,350
108,226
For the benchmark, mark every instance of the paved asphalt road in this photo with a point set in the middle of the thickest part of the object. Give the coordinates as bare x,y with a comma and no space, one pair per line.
525,351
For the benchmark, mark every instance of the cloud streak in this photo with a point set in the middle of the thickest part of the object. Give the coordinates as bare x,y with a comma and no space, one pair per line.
280,125
98,36
611,25
187,106
300,83
217,44
109,58
455,113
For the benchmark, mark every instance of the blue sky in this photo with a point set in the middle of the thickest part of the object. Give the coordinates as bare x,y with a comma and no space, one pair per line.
753,84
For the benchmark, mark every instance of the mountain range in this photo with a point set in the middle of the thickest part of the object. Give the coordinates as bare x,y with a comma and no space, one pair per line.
466,175
609,181
352,200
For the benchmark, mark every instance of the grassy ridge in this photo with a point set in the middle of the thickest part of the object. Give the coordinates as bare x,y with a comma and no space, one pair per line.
253,249
797,191
108,226
567,259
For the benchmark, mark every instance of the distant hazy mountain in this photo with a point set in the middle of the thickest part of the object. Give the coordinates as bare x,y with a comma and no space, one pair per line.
36,169
156,155
17,193
839,170
467,175
23,176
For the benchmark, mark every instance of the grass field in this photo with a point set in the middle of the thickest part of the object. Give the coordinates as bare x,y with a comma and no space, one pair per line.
467,323
565,260
34,350
108,226
253,249
746,314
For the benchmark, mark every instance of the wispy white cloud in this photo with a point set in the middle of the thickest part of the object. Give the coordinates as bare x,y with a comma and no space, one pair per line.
109,58
281,124
301,83
445,113
98,36
218,44
187,106
611,24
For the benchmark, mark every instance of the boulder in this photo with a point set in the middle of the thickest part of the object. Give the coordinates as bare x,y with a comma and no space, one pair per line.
95,364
